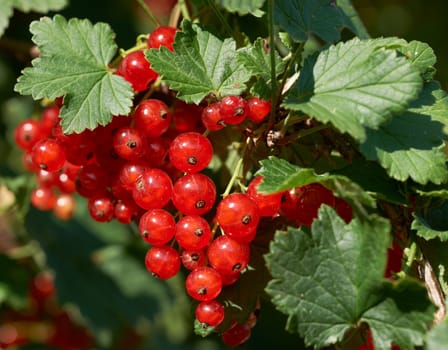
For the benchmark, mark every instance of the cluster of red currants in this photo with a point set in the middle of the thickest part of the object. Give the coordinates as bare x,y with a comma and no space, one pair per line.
148,168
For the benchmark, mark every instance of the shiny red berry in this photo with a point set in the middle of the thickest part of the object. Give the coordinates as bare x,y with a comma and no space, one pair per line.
49,154
163,262
211,117
162,36
156,226
27,133
194,194
136,69
152,117
228,256
192,232
233,109
153,189
210,313
190,152
203,283
258,109
268,204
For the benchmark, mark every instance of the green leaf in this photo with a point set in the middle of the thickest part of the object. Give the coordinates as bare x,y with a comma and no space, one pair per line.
331,280
373,179
352,19
438,336
402,317
258,61
243,7
422,56
73,62
354,85
42,6
325,281
432,221
301,18
201,64
6,11
280,175
411,144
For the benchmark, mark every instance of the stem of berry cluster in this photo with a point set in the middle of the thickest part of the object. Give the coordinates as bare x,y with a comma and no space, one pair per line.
237,170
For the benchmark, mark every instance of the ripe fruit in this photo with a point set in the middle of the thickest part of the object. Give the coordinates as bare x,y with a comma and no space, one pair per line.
194,194
210,313
192,232
48,154
101,208
211,117
43,198
203,283
233,109
310,200
136,69
129,143
27,133
228,256
238,216
236,335
153,189
163,262
258,109
268,204
152,117
190,152
162,36
157,227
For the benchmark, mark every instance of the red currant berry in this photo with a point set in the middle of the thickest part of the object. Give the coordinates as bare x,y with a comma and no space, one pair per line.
190,152
27,133
129,143
211,117
136,69
194,194
203,283
64,183
91,179
163,262
64,207
46,179
80,148
258,109
236,335
268,204
130,172
192,259
187,117
157,227
152,117
210,313
192,232
238,216
125,210
156,151
310,200
101,208
43,198
153,189
162,36
228,256
49,118
233,109
49,154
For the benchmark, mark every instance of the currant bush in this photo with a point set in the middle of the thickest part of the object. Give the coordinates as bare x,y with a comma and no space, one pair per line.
263,169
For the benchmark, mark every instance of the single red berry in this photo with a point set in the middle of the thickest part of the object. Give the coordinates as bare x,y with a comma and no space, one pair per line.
157,151
211,117
258,109
92,179
163,262
49,118
233,109
27,133
152,117
64,207
136,69
131,171
192,232
156,227
203,283
101,208
187,117
228,256
194,194
236,335
162,36
64,183
125,210
190,152
238,216
210,313
310,200
45,178
49,154
43,198
192,259
80,148
129,143
153,189
268,204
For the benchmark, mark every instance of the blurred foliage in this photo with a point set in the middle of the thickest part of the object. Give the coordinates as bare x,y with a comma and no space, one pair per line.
99,269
